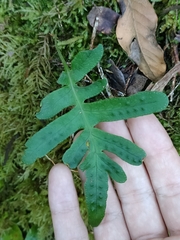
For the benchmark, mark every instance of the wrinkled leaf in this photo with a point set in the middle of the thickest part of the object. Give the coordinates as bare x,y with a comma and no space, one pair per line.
107,19
136,34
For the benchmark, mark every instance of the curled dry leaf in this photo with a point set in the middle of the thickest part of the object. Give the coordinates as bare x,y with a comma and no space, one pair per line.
136,34
137,84
107,19
124,82
116,79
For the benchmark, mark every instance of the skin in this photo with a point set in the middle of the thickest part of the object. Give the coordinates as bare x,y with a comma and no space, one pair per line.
146,206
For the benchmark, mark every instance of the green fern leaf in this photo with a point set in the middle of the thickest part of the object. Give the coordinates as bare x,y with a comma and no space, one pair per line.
92,142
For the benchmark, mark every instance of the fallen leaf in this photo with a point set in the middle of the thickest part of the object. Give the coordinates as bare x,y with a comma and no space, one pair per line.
107,19
116,78
136,34
136,85
124,83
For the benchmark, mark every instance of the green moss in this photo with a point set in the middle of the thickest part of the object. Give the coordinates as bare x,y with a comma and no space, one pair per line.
171,16
29,68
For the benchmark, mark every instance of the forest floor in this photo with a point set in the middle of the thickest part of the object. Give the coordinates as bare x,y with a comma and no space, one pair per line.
29,69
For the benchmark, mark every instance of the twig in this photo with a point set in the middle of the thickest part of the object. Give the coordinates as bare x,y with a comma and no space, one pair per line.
50,159
176,54
108,90
96,22
171,8
172,92
160,85
175,59
75,171
172,88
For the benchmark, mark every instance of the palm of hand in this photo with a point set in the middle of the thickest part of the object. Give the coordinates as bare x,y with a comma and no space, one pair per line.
142,208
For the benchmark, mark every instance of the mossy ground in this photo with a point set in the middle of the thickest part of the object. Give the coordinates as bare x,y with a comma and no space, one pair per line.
29,68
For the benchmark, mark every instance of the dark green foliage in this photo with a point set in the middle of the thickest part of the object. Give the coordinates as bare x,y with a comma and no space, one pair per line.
92,142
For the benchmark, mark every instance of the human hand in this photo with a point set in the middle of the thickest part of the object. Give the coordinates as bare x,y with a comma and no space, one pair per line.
146,206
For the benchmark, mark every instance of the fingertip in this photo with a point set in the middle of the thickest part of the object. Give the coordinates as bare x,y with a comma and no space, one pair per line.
58,170
64,206
61,188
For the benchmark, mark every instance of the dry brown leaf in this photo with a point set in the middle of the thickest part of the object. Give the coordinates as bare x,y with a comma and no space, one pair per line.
136,34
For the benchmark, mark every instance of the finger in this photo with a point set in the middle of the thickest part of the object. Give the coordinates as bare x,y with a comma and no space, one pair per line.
67,221
136,194
163,165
